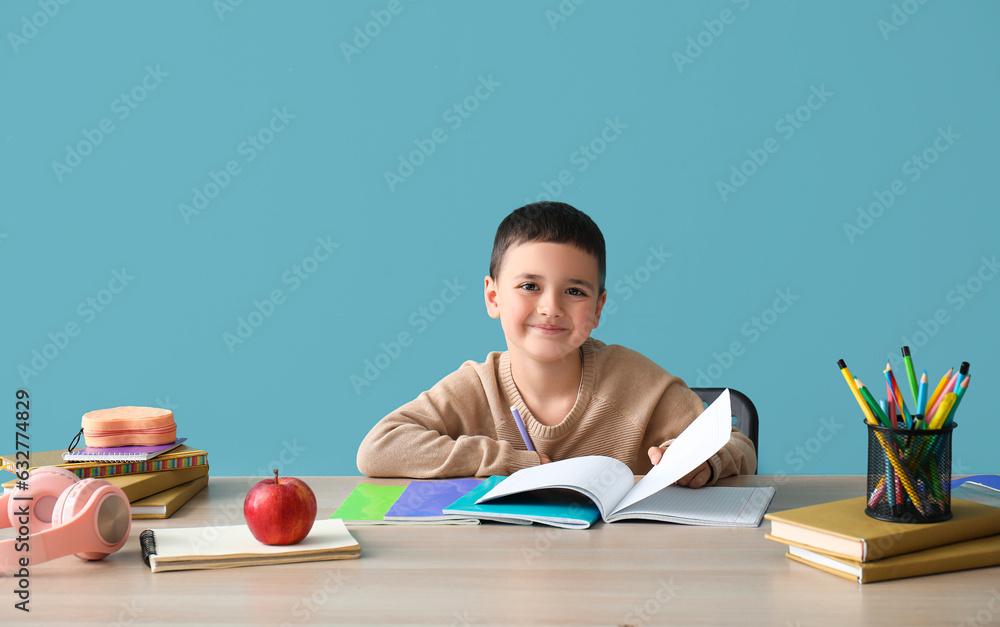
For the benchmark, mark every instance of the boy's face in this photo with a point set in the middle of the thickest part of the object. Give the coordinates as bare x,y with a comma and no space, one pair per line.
547,298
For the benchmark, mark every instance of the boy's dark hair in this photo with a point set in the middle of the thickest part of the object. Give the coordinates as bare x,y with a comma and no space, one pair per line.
548,221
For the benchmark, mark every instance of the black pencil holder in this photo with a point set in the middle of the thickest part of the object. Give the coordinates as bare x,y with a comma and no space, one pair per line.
909,474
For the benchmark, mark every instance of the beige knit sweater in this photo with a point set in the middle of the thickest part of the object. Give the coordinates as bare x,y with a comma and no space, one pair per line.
463,425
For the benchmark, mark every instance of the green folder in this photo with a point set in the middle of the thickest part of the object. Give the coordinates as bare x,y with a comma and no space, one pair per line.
368,503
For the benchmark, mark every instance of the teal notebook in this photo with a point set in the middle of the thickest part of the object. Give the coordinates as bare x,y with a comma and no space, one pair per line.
559,508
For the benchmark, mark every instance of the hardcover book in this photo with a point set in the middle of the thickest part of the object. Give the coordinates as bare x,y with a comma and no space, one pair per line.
978,553
842,529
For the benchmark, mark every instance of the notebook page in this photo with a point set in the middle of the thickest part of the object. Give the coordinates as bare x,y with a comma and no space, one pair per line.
238,540
604,479
716,506
703,438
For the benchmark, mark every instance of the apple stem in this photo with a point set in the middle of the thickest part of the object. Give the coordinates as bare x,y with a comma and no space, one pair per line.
275,475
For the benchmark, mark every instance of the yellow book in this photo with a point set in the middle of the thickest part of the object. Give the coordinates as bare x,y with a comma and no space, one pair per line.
146,484
842,529
164,504
978,553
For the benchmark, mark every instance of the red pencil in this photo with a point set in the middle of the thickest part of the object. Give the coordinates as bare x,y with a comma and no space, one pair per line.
892,405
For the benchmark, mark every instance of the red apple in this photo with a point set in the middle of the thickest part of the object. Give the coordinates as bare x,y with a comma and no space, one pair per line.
280,511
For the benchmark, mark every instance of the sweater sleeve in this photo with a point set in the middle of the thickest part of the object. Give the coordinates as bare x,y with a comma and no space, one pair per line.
447,431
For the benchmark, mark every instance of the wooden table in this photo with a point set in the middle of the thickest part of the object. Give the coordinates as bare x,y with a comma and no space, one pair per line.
628,573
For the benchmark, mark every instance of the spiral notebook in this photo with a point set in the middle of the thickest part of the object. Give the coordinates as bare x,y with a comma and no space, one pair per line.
197,548
119,453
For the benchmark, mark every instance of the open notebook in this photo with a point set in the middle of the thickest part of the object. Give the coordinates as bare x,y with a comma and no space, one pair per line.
610,486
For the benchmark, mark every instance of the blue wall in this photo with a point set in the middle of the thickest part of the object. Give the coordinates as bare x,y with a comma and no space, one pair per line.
237,210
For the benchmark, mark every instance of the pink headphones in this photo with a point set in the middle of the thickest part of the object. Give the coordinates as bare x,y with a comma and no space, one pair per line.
64,514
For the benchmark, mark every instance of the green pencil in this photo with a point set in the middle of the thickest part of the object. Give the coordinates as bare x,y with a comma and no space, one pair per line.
911,375
876,409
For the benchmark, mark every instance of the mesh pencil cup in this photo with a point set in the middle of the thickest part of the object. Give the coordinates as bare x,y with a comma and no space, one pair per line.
909,474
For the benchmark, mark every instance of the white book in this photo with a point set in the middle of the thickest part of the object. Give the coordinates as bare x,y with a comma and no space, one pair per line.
231,546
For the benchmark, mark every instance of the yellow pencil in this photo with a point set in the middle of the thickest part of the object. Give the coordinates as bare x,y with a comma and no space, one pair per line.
937,392
869,415
944,408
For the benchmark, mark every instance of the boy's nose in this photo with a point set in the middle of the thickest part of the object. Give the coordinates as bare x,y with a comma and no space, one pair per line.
549,306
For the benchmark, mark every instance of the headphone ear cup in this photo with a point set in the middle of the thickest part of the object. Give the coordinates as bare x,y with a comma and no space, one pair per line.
45,485
104,525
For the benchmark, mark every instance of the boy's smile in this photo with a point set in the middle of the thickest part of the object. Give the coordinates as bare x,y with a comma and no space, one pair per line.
548,300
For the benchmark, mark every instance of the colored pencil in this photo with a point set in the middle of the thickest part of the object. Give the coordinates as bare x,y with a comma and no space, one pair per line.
943,408
949,388
867,395
520,427
911,376
937,391
958,399
869,414
891,405
901,404
963,371
922,394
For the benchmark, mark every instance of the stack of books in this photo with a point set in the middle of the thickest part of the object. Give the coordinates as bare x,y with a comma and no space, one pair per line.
157,480
839,538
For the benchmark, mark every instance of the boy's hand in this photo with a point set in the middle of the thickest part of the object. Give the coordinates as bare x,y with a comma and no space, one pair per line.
544,458
694,479
697,477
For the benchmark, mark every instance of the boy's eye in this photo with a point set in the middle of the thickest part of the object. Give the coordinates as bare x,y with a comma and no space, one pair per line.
528,286
575,291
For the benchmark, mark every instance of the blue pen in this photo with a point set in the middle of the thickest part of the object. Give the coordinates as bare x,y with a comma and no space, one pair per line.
520,427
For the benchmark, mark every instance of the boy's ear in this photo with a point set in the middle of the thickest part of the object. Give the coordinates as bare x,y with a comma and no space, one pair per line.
490,294
603,298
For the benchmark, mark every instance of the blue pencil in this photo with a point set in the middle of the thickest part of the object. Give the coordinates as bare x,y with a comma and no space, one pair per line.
922,394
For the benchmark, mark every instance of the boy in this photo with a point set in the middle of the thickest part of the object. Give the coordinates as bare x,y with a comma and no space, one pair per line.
576,395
